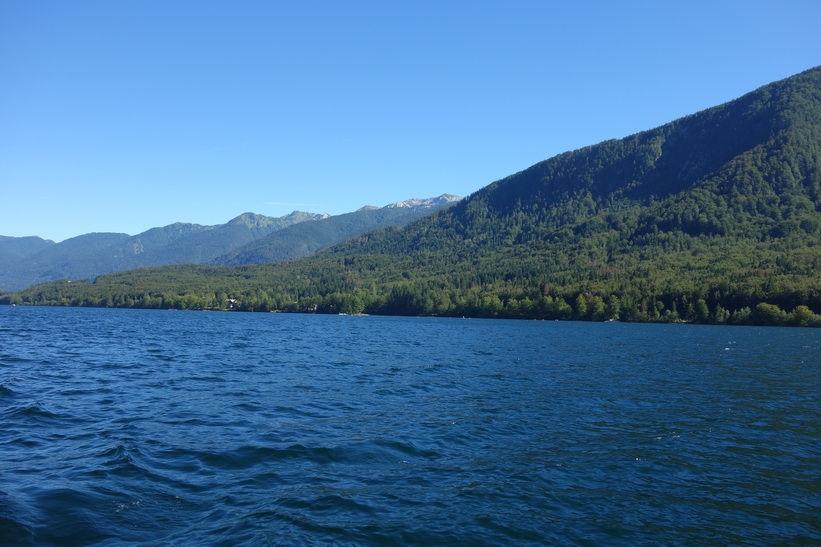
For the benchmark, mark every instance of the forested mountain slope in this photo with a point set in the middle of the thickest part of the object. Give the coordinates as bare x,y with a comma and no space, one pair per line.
246,239
90,255
17,248
306,238
76,257
714,217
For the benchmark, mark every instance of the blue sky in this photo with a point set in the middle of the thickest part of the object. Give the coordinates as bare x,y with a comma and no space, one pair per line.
121,116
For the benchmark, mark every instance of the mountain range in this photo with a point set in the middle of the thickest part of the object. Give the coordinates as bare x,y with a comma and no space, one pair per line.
247,239
711,218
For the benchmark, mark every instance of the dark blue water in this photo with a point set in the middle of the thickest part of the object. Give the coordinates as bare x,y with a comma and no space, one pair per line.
160,427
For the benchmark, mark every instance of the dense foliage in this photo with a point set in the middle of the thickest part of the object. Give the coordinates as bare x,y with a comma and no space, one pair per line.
713,218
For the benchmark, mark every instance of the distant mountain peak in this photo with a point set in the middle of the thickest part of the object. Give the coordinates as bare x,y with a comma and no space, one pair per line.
427,202
249,219
294,215
27,261
253,220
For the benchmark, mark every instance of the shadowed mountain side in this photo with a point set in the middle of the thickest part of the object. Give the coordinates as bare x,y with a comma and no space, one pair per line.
17,248
303,239
91,255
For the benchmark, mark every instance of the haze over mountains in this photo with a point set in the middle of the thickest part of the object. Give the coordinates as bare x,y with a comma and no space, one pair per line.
714,217
246,239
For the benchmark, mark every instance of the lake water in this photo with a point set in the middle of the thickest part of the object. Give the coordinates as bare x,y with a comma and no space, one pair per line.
161,427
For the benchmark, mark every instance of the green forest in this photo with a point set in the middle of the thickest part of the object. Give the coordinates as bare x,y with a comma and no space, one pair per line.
713,218
246,239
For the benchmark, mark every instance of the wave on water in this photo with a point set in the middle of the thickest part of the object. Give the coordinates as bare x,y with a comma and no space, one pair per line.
6,392
146,427
32,414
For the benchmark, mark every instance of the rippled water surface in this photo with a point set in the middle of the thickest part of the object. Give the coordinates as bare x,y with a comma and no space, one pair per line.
137,426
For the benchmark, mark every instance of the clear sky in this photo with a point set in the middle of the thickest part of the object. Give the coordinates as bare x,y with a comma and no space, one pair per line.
119,116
